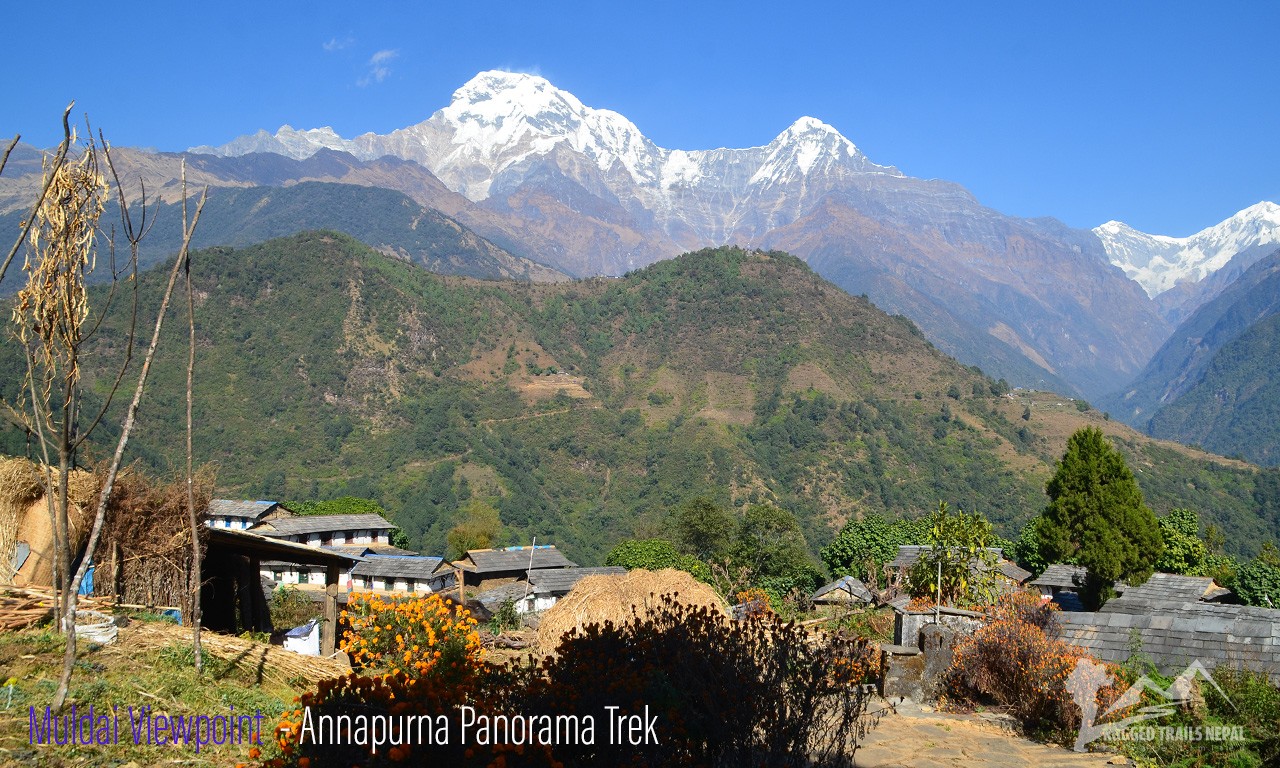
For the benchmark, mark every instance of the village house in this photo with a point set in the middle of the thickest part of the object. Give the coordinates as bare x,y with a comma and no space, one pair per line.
542,589
845,590
484,569
1175,620
391,573
239,514
329,530
1010,575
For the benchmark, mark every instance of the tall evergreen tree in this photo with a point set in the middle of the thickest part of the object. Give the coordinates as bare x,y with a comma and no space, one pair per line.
1096,517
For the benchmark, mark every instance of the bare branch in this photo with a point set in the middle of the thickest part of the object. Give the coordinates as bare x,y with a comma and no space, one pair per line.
59,157
5,159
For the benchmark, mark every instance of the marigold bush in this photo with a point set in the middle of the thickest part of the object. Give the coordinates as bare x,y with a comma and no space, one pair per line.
413,635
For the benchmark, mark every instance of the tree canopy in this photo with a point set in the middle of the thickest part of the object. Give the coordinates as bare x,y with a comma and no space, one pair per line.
1096,517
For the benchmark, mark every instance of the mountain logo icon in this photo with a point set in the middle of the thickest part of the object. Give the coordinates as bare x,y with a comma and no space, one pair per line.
1088,677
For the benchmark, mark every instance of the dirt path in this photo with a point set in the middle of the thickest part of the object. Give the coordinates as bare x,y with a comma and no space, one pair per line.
915,739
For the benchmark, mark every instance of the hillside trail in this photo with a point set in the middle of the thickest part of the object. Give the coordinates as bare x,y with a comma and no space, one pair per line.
912,738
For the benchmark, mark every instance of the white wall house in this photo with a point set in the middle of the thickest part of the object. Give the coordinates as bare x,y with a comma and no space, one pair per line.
393,573
329,530
237,514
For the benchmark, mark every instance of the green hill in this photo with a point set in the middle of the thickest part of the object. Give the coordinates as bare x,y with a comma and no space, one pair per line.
586,411
389,221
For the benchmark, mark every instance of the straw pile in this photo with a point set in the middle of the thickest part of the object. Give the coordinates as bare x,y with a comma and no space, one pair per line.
144,556
620,598
263,661
24,516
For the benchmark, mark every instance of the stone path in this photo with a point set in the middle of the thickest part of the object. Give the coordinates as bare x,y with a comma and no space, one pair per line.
912,738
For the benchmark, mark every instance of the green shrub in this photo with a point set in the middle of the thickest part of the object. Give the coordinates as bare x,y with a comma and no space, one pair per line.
654,555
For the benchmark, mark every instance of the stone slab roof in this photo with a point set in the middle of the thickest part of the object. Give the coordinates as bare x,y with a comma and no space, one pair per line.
558,581
1062,576
492,598
514,559
397,567
1179,633
843,589
242,509
301,526
1162,590
908,554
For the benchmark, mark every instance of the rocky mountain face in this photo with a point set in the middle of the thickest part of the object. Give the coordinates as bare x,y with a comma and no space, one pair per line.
1182,273
1211,383
584,191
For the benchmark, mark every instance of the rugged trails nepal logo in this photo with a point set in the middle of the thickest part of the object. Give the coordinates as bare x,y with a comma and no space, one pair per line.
1088,677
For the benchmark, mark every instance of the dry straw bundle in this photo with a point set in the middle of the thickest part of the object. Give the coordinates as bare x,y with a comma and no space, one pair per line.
24,516
144,556
621,598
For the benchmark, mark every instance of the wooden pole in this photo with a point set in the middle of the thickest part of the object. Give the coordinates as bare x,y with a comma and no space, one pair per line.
329,629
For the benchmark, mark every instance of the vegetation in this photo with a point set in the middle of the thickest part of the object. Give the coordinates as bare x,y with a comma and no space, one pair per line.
865,546
479,529
291,607
1096,517
329,370
1258,581
654,555
756,692
1017,662
958,554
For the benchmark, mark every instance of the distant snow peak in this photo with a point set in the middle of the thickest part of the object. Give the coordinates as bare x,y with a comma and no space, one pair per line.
1159,262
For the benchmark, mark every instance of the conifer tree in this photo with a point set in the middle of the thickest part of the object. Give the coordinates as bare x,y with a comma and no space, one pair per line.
1096,517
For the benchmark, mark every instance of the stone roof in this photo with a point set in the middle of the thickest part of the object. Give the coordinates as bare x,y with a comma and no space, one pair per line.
558,581
397,567
844,589
1062,576
1162,591
516,591
1181,633
908,554
302,526
243,509
514,559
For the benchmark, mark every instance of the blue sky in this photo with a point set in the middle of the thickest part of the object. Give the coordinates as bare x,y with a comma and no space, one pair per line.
1162,114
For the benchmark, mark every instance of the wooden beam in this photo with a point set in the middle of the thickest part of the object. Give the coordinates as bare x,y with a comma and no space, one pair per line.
329,629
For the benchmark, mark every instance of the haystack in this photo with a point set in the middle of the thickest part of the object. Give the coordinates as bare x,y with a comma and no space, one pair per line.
620,598
24,516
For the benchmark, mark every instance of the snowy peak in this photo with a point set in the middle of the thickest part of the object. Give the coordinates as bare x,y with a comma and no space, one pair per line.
1159,262
498,119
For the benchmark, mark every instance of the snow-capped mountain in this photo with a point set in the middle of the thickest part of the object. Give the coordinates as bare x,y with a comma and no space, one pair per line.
549,178
500,126
1158,263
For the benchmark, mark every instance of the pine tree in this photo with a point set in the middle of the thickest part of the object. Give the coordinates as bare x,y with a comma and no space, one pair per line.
1096,517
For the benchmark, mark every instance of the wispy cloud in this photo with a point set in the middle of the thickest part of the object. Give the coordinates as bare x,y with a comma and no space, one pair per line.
379,67
338,43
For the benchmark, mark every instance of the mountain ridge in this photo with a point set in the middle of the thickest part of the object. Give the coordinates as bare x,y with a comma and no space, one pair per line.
585,411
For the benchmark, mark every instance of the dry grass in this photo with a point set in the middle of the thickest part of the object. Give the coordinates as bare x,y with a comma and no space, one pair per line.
264,662
618,599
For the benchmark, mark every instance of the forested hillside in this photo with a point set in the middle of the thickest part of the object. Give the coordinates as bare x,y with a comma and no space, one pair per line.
586,411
